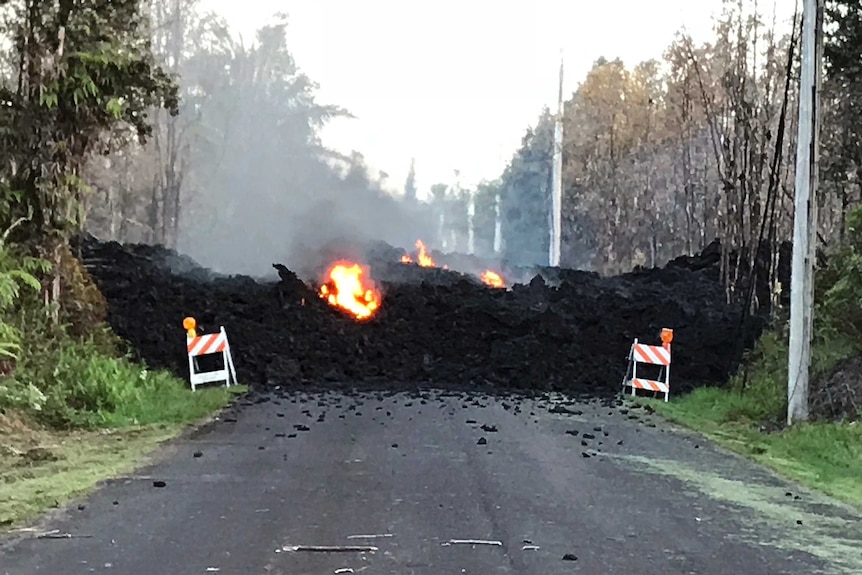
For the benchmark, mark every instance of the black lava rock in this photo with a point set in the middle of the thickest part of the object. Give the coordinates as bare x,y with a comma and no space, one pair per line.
566,331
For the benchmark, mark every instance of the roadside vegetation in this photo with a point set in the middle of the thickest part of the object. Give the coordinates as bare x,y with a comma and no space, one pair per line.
75,408
748,415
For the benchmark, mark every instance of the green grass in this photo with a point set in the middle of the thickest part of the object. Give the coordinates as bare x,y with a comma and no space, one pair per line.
72,382
74,407
97,390
748,417
76,412
824,456
168,401
43,467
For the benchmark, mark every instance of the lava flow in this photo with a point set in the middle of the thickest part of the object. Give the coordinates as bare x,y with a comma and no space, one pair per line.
348,287
492,279
422,257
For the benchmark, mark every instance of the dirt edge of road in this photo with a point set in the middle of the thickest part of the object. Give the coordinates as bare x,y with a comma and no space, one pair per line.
46,471
807,455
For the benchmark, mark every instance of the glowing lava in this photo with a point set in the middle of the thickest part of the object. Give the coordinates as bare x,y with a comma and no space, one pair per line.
422,256
348,287
492,279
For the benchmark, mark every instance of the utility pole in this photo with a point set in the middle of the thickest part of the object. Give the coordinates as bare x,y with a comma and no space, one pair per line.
471,223
498,226
805,213
455,196
557,192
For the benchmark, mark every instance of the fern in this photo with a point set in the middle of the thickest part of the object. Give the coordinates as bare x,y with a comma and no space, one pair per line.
15,274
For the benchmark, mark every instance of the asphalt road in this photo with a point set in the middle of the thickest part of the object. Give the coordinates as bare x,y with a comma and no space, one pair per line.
410,474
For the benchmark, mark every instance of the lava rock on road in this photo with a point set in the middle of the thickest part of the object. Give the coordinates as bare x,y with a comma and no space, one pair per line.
434,327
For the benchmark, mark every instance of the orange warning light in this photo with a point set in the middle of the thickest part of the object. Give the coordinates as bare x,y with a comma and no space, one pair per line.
666,335
189,324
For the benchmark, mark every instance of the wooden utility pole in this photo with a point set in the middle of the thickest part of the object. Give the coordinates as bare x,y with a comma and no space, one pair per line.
557,191
805,213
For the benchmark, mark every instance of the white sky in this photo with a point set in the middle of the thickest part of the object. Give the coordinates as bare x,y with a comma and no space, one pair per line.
456,83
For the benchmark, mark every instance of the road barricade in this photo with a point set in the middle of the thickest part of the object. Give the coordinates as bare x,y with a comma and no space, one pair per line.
208,344
658,355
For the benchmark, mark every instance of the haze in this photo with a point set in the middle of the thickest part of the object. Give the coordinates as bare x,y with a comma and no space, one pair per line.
456,84
452,86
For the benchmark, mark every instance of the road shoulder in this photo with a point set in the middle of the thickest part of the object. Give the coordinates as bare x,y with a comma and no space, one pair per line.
46,470
824,456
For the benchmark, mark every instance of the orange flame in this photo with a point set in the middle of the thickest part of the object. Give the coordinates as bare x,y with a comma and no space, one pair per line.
492,279
346,288
425,260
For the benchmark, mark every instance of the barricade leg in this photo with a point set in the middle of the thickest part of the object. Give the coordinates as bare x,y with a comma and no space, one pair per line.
192,366
667,381
228,357
225,356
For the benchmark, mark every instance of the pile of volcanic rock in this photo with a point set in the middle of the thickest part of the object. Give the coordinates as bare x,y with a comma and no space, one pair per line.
562,330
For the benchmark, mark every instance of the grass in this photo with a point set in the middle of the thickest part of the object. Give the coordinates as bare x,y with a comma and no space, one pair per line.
45,468
747,416
823,456
75,408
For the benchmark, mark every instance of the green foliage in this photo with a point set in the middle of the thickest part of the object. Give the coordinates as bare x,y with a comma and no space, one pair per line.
841,281
525,188
82,306
15,274
842,48
485,218
69,381
86,71
825,456
758,392
74,375
759,389
111,84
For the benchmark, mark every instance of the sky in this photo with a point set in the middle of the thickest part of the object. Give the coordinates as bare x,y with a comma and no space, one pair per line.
455,84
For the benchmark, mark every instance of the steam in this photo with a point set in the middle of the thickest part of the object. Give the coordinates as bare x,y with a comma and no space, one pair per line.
304,229
256,186
261,188
349,226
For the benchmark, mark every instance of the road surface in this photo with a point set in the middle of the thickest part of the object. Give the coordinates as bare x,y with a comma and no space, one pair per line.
411,476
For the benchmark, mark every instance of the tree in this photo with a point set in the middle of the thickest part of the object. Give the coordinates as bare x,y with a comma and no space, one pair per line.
240,178
842,108
84,80
525,196
665,157
485,217
599,136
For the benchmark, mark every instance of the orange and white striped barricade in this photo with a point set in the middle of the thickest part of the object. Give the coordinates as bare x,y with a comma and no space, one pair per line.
654,355
198,345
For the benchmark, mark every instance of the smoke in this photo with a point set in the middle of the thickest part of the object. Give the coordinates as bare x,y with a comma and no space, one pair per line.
526,197
350,226
261,188
303,227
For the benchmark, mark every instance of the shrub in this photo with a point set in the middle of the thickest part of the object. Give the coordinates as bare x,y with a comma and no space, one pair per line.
841,282
837,335
82,306
76,372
